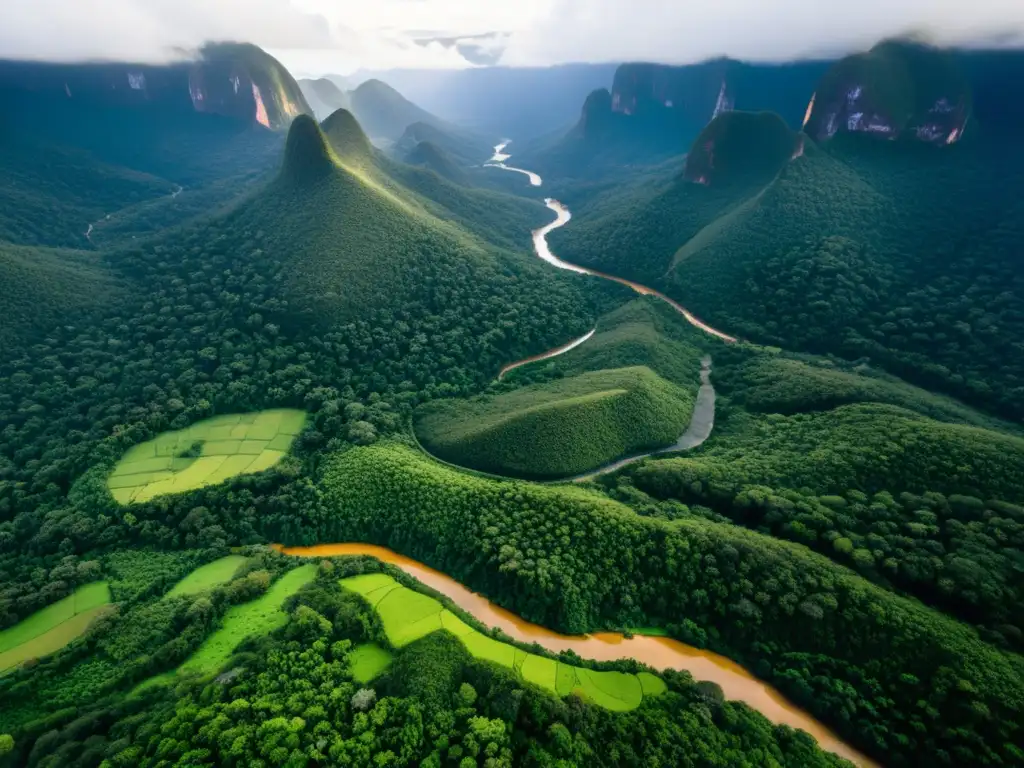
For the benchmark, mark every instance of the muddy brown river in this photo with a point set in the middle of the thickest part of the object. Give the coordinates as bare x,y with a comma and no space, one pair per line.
657,652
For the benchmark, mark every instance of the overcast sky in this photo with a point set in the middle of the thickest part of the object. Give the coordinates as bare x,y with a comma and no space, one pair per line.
314,37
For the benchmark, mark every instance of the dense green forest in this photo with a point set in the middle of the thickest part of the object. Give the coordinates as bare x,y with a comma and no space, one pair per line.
262,334
291,697
574,560
558,428
896,252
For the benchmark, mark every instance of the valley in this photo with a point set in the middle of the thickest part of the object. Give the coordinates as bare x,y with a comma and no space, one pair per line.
335,430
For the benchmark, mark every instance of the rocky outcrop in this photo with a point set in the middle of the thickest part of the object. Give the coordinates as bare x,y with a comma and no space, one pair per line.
897,90
233,80
695,94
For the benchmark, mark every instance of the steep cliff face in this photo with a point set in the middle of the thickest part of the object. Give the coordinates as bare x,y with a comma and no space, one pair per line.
897,90
654,111
233,80
698,93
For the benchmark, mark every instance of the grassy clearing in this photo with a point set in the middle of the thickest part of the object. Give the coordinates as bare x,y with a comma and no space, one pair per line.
367,661
208,576
560,427
408,615
50,629
253,619
207,453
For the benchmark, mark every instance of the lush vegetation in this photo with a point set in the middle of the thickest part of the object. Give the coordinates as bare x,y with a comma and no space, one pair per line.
44,288
208,576
898,252
408,616
253,619
207,453
559,428
852,538
293,698
859,657
384,113
738,145
50,629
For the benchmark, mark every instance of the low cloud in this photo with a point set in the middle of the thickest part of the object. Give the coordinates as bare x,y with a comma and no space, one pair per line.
768,30
323,36
150,30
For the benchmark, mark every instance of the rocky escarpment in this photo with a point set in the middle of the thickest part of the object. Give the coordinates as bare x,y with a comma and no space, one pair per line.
897,90
229,79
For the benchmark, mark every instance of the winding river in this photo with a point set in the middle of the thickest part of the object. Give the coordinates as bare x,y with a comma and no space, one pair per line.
657,652
562,217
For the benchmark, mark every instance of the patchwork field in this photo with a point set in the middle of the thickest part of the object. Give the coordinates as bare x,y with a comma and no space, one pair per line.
368,661
207,453
48,630
253,619
408,615
208,576
558,428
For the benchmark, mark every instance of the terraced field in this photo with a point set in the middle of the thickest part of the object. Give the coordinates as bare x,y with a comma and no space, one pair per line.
253,619
207,453
48,630
208,576
408,615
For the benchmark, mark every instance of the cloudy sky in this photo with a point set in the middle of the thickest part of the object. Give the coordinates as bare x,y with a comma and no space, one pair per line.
316,37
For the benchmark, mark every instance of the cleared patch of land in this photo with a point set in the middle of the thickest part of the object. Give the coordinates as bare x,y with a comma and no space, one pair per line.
408,615
50,629
558,428
367,661
208,576
253,619
207,453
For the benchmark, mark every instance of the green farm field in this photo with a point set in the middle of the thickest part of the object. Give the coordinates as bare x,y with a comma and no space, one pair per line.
408,616
368,661
558,428
253,619
50,629
207,453
208,576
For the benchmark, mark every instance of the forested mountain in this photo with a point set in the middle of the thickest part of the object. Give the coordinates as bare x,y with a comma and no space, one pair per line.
123,149
384,113
324,96
652,112
520,102
226,326
900,251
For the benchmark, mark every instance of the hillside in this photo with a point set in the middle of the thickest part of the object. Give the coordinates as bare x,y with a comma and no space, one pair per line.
559,428
464,147
44,288
634,229
897,251
81,144
384,113
428,155
49,195
323,97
